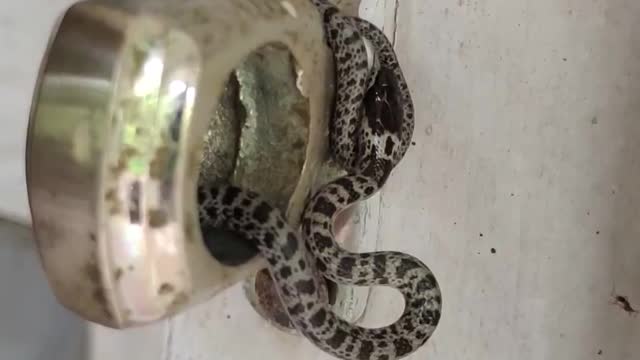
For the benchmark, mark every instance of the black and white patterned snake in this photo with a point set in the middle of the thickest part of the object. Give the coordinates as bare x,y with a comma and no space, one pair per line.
370,132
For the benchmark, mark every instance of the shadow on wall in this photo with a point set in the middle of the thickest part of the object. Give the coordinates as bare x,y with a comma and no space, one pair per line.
33,326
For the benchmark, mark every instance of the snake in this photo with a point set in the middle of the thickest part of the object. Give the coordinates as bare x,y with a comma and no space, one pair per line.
369,133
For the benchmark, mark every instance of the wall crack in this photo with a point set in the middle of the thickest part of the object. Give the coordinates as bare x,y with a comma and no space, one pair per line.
396,10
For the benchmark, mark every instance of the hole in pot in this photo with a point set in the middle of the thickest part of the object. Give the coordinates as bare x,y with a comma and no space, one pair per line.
257,140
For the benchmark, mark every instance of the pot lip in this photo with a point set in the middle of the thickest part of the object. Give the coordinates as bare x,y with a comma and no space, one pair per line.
82,240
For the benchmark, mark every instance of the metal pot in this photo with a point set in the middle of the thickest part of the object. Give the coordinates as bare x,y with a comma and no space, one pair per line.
138,101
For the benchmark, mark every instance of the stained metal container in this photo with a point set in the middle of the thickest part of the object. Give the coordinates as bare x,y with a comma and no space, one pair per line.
139,101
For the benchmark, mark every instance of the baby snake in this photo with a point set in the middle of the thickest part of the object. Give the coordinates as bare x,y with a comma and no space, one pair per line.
370,132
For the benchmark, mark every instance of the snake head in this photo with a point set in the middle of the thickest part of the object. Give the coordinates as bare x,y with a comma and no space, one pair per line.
379,136
382,105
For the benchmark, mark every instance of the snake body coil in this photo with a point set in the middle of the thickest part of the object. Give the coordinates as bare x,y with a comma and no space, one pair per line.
370,132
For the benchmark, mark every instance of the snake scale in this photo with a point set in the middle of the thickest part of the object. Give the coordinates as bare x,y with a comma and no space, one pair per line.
370,132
